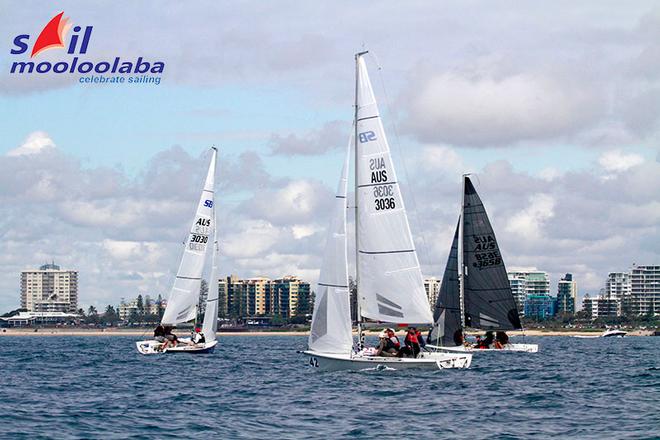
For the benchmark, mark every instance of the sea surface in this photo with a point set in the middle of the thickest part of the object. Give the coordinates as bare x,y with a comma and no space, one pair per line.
259,387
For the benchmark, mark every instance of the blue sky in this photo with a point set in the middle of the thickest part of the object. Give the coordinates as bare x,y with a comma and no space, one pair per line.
556,108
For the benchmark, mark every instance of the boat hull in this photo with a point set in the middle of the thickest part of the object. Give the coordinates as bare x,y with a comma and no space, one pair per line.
430,361
519,348
153,347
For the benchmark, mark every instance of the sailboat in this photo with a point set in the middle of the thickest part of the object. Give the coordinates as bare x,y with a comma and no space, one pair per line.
389,280
184,296
479,296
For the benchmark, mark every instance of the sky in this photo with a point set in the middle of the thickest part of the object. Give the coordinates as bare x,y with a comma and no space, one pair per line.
555,108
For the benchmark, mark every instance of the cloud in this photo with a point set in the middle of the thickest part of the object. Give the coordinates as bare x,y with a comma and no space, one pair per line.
529,222
616,161
486,111
35,143
332,135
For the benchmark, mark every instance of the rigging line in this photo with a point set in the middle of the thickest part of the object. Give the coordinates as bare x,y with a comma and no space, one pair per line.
411,195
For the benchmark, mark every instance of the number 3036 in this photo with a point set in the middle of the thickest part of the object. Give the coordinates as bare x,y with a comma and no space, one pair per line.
385,204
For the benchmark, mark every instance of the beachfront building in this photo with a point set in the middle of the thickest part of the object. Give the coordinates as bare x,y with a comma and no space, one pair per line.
528,283
432,288
148,307
601,306
29,319
540,307
566,295
261,296
617,287
49,289
645,290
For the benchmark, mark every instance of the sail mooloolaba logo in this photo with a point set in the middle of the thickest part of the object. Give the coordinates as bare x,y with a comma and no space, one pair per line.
75,59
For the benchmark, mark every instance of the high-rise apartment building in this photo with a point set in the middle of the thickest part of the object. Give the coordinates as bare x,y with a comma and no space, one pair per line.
49,289
261,296
525,284
645,290
566,295
432,288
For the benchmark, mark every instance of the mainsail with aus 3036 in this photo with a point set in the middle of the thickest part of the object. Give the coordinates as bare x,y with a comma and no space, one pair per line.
184,297
389,279
478,296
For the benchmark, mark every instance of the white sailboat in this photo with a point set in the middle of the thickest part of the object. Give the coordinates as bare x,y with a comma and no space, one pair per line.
390,285
479,295
184,297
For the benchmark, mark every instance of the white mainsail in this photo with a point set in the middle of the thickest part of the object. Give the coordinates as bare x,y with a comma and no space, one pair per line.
182,303
331,320
210,323
390,284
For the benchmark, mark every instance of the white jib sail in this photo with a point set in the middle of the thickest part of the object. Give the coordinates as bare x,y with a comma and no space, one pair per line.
182,303
390,284
331,322
210,323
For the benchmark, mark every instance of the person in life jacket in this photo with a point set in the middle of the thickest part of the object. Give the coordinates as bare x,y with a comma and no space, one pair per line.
412,342
385,346
488,341
198,336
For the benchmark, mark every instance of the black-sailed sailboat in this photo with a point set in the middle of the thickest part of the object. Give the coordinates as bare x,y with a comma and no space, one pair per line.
480,295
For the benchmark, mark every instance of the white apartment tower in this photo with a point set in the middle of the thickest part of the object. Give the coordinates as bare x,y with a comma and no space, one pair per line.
645,290
432,288
49,289
526,283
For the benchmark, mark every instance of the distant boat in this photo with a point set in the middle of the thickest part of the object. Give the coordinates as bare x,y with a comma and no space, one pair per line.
479,296
389,280
609,333
184,297
614,334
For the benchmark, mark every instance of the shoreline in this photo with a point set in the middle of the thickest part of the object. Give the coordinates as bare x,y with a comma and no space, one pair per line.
146,333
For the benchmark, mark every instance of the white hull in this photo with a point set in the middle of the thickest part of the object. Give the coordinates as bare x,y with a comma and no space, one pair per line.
431,361
606,334
154,347
521,348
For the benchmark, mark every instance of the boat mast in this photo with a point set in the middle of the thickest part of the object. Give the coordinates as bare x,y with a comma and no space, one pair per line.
355,145
461,267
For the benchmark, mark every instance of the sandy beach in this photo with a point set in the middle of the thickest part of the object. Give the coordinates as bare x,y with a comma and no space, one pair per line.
147,332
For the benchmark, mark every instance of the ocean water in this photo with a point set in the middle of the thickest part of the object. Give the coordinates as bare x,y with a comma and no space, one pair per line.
258,387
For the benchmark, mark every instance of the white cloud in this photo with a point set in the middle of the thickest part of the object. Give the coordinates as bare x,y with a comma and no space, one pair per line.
487,111
529,221
616,161
35,143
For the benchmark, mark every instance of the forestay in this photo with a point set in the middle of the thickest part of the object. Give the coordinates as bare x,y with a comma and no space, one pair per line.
182,302
331,320
447,330
390,284
488,300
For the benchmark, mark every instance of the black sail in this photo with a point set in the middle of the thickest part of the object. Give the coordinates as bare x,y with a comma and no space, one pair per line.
447,330
488,300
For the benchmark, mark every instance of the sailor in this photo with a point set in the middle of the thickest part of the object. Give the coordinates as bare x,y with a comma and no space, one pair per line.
171,337
393,340
488,341
501,339
412,347
386,347
198,336
420,338
159,335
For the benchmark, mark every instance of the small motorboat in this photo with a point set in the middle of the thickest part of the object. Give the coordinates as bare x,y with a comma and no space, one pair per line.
613,334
